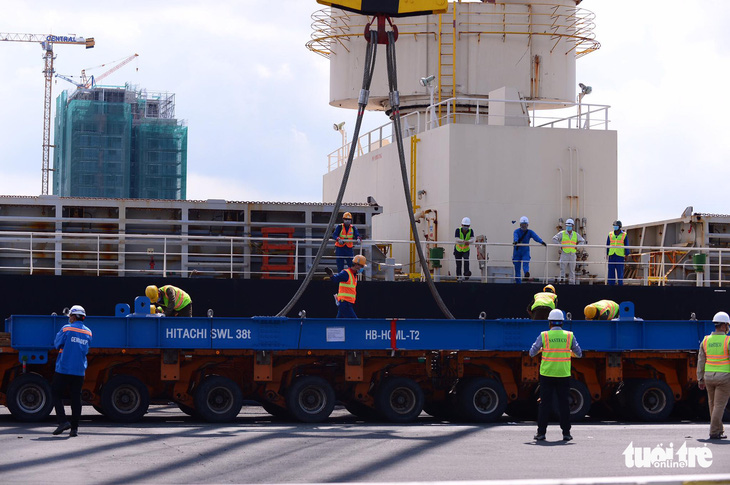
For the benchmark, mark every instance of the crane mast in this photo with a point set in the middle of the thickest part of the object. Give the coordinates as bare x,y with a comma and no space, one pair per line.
46,41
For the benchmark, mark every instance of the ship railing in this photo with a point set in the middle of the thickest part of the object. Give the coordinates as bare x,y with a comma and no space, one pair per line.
479,111
290,258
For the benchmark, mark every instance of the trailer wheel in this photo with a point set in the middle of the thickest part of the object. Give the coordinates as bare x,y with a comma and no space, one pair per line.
650,400
218,399
124,399
579,401
310,399
362,411
399,399
481,400
29,398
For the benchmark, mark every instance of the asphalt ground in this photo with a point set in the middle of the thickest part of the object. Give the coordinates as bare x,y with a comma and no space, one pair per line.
168,446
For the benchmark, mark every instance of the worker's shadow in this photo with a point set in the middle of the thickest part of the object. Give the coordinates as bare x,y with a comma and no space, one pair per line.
549,443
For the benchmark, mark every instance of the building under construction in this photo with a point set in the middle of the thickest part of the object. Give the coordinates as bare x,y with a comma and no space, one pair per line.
119,142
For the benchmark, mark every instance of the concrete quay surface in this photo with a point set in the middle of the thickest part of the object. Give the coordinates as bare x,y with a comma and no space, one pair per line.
168,446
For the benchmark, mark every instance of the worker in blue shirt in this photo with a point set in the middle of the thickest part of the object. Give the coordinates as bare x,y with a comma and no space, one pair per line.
345,235
521,252
73,342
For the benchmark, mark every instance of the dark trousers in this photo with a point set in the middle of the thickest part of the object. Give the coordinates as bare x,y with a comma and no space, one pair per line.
540,312
346,310
186,311
458,255
60,383
344,257
616,270
550,386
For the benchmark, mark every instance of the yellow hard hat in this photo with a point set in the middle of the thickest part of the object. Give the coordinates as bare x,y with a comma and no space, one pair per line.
590,312
549,288
360,259
347,215
152,293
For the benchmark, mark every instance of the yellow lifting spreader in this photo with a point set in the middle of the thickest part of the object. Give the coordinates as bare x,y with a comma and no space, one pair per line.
390,8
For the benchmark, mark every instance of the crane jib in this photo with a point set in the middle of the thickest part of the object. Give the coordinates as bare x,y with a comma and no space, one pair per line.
59,38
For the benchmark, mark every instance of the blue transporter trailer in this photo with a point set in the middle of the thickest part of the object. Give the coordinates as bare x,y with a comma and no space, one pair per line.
389,369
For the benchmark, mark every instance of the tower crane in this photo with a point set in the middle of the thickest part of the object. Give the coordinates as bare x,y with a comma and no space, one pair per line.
89,82
47,41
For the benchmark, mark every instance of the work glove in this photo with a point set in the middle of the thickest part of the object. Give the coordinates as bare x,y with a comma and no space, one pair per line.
544,243
329,272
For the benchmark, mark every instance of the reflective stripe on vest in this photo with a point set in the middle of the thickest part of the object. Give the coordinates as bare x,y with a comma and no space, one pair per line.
348,289
556,353
718,358
569,243
462,248
617,244
606,308
544,299
182,299
347,235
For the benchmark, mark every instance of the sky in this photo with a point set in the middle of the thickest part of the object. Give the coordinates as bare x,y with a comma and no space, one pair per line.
256,100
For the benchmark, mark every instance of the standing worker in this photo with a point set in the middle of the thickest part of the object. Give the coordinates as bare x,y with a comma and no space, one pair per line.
616,241
557,347
713,372
347,293
521,252
543,303
601,310
464,237
73,342
568,240
344,235
170,300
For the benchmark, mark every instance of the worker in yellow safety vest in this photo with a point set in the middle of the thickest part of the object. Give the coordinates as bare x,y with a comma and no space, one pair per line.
569,241
713,372
616,251
170,300
347,293
557,347
464,236
543,303
601,310
345,235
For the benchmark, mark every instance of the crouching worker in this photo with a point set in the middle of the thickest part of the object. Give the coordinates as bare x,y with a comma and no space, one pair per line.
543,303
73,342
601,310
170,300
347,293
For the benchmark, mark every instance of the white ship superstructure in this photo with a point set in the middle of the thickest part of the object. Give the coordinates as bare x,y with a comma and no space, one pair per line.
497,123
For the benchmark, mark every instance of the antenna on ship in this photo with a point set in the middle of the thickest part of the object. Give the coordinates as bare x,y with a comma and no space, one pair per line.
373,38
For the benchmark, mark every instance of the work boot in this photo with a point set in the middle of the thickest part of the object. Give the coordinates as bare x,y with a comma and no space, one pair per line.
720,436
567,437
527,274
61,428
467,273
540,437
73,433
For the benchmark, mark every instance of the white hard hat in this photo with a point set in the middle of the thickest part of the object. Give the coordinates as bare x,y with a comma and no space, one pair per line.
556,316
721,317
524,220
77,310
466,221
570,221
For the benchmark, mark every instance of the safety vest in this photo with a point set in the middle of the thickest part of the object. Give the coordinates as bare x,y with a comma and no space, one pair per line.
606,307
556,344
617,244
348,289
718,357
544,299
569,242
182,299
462,248
346,234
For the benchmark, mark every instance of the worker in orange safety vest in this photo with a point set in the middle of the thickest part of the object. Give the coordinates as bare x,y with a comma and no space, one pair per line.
347,293
345,235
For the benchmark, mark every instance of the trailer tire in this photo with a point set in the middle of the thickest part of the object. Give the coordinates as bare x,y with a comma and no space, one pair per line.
579,400
29,398
399,399
310,399
124,399
650,400
481,400
218,399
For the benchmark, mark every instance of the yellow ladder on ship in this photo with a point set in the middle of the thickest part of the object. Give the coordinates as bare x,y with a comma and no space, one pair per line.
447,58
